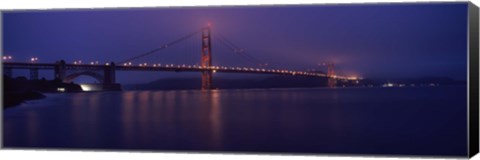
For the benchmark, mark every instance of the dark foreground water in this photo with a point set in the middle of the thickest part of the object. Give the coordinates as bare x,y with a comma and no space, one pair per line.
407,121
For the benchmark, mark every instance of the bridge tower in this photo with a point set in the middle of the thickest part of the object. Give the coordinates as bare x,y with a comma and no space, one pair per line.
331,75
206,60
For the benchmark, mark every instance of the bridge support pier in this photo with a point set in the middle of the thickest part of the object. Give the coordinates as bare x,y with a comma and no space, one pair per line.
109,83
206,80
8,72
331,75
60,70
331,82
34,74
109,74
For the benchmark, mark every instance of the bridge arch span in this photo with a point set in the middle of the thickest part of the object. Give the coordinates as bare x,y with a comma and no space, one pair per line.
99,77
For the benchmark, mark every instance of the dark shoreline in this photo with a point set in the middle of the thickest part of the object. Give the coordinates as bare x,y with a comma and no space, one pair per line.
13,99
20,89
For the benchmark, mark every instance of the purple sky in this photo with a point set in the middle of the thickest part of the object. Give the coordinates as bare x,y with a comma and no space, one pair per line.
378,41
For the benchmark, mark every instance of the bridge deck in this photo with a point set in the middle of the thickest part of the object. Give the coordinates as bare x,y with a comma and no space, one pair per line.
173,68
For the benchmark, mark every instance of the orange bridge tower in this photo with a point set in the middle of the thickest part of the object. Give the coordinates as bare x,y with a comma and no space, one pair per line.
206,60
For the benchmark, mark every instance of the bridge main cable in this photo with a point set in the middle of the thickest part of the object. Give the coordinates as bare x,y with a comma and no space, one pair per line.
160,48
238,50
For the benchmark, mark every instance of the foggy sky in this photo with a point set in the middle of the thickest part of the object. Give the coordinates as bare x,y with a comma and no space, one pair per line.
371,41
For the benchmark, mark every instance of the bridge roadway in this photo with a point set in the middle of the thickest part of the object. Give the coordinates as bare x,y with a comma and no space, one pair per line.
169,67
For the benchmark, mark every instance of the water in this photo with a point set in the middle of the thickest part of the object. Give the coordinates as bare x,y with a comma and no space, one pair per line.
392,121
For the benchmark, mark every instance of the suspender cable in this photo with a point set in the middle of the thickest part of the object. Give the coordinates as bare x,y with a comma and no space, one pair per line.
160,48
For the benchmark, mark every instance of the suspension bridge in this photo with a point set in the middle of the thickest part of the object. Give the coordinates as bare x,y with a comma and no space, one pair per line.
105,73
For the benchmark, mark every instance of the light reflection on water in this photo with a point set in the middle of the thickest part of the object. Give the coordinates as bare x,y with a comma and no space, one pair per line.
421,121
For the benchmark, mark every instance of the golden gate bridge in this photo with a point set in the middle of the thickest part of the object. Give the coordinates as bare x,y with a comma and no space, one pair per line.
105,73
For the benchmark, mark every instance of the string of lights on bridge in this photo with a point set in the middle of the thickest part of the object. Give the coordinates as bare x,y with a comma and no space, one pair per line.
198,67
9,58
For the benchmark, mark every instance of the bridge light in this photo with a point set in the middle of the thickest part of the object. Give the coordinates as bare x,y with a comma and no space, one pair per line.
91,63
352,78
4,57
86,87
60,89
214,71
33,59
